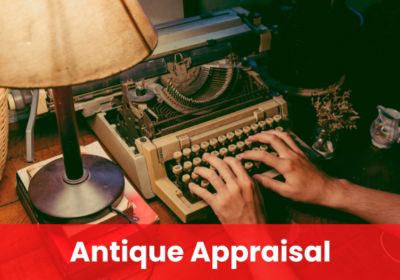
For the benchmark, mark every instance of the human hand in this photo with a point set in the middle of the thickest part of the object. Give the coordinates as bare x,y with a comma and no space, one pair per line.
304,181
238,200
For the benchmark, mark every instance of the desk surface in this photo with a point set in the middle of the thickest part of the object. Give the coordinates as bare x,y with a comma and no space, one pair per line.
357,160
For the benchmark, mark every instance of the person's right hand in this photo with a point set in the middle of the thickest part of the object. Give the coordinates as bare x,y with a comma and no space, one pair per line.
304,181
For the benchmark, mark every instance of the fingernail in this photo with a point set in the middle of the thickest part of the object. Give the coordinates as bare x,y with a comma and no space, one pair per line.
241,155
257,177
195,169
190,185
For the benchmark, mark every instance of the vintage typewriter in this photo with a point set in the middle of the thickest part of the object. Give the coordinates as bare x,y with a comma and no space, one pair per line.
198,92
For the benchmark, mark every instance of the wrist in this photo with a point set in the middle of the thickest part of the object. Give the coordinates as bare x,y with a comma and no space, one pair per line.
335,193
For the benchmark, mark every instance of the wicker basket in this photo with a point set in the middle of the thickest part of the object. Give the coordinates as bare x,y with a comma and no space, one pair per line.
3,129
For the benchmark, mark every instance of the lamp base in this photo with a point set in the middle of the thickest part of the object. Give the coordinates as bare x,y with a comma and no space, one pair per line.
61,202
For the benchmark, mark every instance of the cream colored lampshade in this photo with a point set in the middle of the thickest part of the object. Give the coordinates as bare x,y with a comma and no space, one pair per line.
53,43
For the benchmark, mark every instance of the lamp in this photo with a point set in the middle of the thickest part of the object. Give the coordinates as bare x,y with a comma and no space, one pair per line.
57,44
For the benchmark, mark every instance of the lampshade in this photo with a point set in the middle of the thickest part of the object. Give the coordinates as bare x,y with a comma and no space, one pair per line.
54,43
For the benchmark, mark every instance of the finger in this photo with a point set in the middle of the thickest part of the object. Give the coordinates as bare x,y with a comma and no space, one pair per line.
282,149
264,157
237,168
274,185
202,193
287,139
212,177
222,168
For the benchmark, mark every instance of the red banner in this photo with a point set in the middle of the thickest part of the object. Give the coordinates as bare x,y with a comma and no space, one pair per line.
200,252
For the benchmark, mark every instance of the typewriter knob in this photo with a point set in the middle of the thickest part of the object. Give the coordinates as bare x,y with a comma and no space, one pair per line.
239,158
187,166
177,169
186,178
239,133
178,156
223,152
195,177
246,130
222,139
270,121
240,145
205,145
214,142
262,125
256,149
263,148
215,153
254,127
197,161
232,148
187,152
279,128
248,143
230,136
196,149
205,184
277,118
248,166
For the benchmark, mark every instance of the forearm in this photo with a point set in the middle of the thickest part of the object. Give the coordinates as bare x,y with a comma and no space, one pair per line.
374,206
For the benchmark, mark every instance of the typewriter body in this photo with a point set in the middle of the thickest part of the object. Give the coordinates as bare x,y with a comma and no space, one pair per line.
198,92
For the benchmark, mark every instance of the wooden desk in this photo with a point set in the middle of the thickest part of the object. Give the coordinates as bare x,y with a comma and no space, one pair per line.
356,160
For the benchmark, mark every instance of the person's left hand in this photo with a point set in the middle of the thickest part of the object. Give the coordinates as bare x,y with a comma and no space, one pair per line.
238,200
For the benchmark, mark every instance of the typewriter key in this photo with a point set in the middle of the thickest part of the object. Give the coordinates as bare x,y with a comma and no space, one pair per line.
275,154
256,149
187,167
205,184
277,119
270,122
232,150
239,158
204,147
254,128
187,154
196,150
214,143
248,166
177,169
279,128
239,134
186,180
262,125
197,161
230,136
223,152
195,178
215,153
240,146
248,144
247,130
222,140
178,157
264,147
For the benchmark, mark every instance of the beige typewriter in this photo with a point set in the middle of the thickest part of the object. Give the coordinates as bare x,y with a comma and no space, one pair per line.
198,92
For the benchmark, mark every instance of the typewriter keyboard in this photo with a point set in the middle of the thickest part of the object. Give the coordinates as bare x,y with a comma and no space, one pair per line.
180,168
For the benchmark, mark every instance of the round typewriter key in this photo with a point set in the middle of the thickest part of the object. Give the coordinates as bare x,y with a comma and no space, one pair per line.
187,152
232,148
187,166
177,169
195,177
269,121
178,157
205,184
264,147
223,152
248,143
197,161
230,136
215,153
256,149
186,178
239,133
240,145
275,154
279,128
239,158
213,143
196,149
254,127
277,118
222,139
262,125
205,145
247,130
248,166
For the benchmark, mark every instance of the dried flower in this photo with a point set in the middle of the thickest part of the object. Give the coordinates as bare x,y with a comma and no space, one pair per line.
335,112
